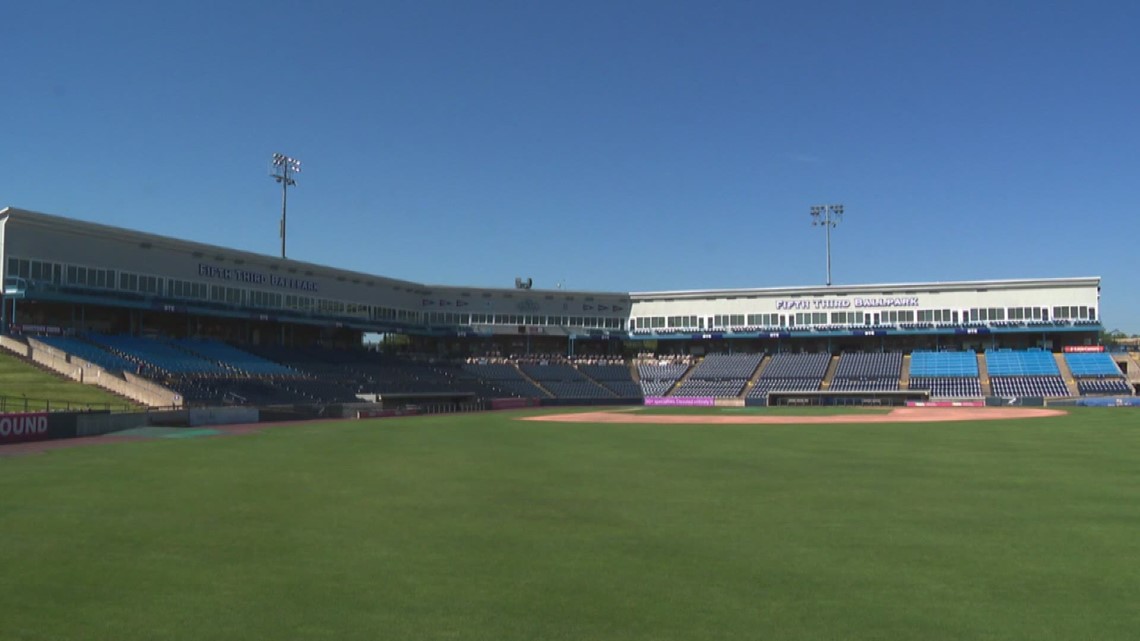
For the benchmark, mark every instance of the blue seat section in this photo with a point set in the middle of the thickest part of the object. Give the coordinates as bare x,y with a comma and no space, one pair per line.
1028,385
720,375
1092,365
159,355
943,364
88,352
1112,386
791,372
725,388
657,379
505,377
564,381
877,372
949,386
716,367
1021,363
615,378
237,359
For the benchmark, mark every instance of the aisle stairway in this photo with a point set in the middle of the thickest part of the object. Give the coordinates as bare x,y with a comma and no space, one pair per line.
755,375
688,373
1067,375
827,377
984,375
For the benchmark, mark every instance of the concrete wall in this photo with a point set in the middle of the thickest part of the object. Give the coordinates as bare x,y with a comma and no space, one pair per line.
13,345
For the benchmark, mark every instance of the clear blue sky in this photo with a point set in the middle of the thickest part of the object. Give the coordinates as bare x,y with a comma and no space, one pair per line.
606,145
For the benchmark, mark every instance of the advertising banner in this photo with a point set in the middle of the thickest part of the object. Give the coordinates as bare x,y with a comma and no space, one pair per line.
24,428
1082,349
680,401
513,403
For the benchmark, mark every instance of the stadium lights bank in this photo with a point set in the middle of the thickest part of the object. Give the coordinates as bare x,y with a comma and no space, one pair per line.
68,275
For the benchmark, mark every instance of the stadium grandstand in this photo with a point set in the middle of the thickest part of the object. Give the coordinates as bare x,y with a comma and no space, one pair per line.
207,325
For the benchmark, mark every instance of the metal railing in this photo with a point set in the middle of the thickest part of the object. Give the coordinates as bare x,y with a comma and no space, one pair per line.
25,404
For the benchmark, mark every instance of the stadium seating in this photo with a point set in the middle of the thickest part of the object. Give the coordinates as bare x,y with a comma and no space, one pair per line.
615,378
89,352
791,372
160,356
507,378
1092,365
657,379
716,367
720,375
1048,386
233,357
1112,386
949,386
943,364
868,372
1097,373
1021,363
564,381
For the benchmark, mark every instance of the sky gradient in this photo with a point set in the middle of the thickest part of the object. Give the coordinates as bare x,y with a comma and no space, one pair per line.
625,146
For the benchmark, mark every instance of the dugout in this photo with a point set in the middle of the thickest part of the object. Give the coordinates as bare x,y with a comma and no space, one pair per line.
825,398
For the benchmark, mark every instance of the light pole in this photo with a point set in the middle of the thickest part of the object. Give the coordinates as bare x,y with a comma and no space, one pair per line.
827,216
282,169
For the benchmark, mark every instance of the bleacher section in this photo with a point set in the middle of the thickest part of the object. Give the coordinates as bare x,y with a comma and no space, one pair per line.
615,378
1024,373
1047,386
720,375
506,377
1097,373
943,364
1021,363
791,372
564,381
159,356
868,372
1110,386
946,374
233,357
657,379
89,352
948,386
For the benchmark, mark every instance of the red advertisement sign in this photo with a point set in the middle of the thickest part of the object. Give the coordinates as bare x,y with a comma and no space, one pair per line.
1078,349
22,428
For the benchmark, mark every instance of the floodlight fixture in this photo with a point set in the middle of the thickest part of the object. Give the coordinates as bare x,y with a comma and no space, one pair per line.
282,170
827,216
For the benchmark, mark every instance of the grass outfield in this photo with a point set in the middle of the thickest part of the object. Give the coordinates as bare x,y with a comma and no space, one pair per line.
481,527
18,379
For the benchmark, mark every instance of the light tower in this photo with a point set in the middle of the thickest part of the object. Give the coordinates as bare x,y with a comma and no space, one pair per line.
827,216
282,168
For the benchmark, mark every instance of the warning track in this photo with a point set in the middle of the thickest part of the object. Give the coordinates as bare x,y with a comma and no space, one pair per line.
899,415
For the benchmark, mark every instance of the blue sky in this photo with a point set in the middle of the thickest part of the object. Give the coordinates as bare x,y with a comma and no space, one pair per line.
603,145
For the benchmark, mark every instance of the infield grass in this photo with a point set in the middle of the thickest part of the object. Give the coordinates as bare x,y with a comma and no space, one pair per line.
482,527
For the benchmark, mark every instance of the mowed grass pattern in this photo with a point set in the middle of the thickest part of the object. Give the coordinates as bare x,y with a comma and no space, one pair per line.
482,527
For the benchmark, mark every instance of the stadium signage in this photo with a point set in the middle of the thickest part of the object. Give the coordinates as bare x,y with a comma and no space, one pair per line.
16,428
1082,349
846,303
256,278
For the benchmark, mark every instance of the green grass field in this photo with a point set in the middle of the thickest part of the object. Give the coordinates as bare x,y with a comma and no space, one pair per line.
19,381
483,527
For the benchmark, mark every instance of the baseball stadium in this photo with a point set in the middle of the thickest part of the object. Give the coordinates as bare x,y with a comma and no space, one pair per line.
271,448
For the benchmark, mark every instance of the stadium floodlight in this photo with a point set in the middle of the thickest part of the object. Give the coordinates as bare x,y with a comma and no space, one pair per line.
282,168
827,216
